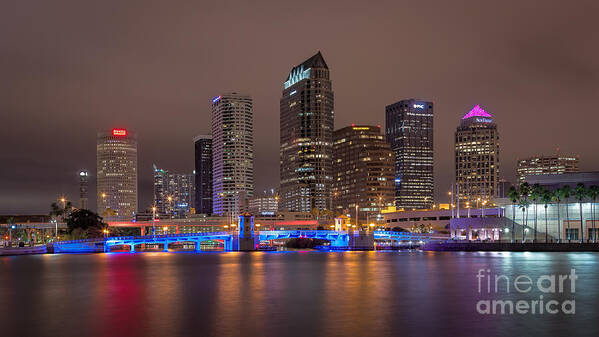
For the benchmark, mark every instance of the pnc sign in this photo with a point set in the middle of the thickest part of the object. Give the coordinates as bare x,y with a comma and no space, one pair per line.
418,106
119,132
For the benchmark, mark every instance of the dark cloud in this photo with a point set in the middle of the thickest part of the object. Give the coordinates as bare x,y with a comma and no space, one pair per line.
69,68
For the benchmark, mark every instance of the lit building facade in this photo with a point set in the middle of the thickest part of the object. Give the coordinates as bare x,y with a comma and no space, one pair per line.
232,153
556,164
306,131
409,125
266,203
173,193
563,220
477,157
203,174
116,159
363,171
83,189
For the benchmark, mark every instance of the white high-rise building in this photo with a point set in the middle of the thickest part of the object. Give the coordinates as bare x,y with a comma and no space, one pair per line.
232,153
117,174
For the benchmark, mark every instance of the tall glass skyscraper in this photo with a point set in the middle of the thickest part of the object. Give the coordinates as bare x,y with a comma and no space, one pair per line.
203,174
117,174
477,157
306,137
409,125
232,153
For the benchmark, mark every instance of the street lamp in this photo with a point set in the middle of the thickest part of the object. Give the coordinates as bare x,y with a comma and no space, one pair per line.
170,205
154,220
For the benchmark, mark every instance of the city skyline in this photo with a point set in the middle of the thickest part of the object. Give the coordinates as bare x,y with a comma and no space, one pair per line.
510,77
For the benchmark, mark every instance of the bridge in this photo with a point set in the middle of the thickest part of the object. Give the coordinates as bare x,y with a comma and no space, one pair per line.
233,241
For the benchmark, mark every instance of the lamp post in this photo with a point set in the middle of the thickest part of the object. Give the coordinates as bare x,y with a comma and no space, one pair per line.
154,220
451,201
170,205
357,207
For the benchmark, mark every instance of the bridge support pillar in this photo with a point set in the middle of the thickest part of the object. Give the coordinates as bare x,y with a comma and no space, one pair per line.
229,243
165,248
246,240
132,248
199,247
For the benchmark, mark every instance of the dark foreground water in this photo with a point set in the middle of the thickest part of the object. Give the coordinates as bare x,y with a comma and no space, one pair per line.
286,294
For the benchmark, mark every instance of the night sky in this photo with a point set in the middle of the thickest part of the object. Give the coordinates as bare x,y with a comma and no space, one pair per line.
69,68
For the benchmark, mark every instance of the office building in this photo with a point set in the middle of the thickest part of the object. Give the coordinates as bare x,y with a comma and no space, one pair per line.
232,154
477,157
539,165
264,204
83,189
203,174
306,131
363,171
117,174
409,125
173,193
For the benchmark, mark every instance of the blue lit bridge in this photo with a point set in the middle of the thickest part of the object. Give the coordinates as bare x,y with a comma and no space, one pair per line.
233,241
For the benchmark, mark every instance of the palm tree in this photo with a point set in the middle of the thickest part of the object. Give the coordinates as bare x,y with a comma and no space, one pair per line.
566,193
558,196
581,193
535,194
593,193
524,192
514,197
58,211
546,197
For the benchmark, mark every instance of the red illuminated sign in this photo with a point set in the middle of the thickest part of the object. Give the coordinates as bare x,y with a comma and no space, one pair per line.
119,132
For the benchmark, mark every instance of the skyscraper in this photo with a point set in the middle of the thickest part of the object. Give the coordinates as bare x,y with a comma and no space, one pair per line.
363,170
555,164
117,174
232,153
477,156
173,193
306,137
203,174
409,125
83,189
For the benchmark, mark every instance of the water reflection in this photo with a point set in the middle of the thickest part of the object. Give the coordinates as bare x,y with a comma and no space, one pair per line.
280,294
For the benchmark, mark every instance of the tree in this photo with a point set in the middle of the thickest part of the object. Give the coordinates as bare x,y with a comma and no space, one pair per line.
546,197
581,193
593,193
59,211
85,223
566,193
558,196
535,194
524,193
514,197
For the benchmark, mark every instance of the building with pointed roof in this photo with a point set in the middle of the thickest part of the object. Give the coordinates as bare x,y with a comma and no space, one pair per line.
476,157
306,143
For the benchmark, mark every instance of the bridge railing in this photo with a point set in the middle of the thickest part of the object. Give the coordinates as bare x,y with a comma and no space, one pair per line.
142,237
166,236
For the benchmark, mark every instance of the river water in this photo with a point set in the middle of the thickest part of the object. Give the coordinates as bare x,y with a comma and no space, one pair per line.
301,293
